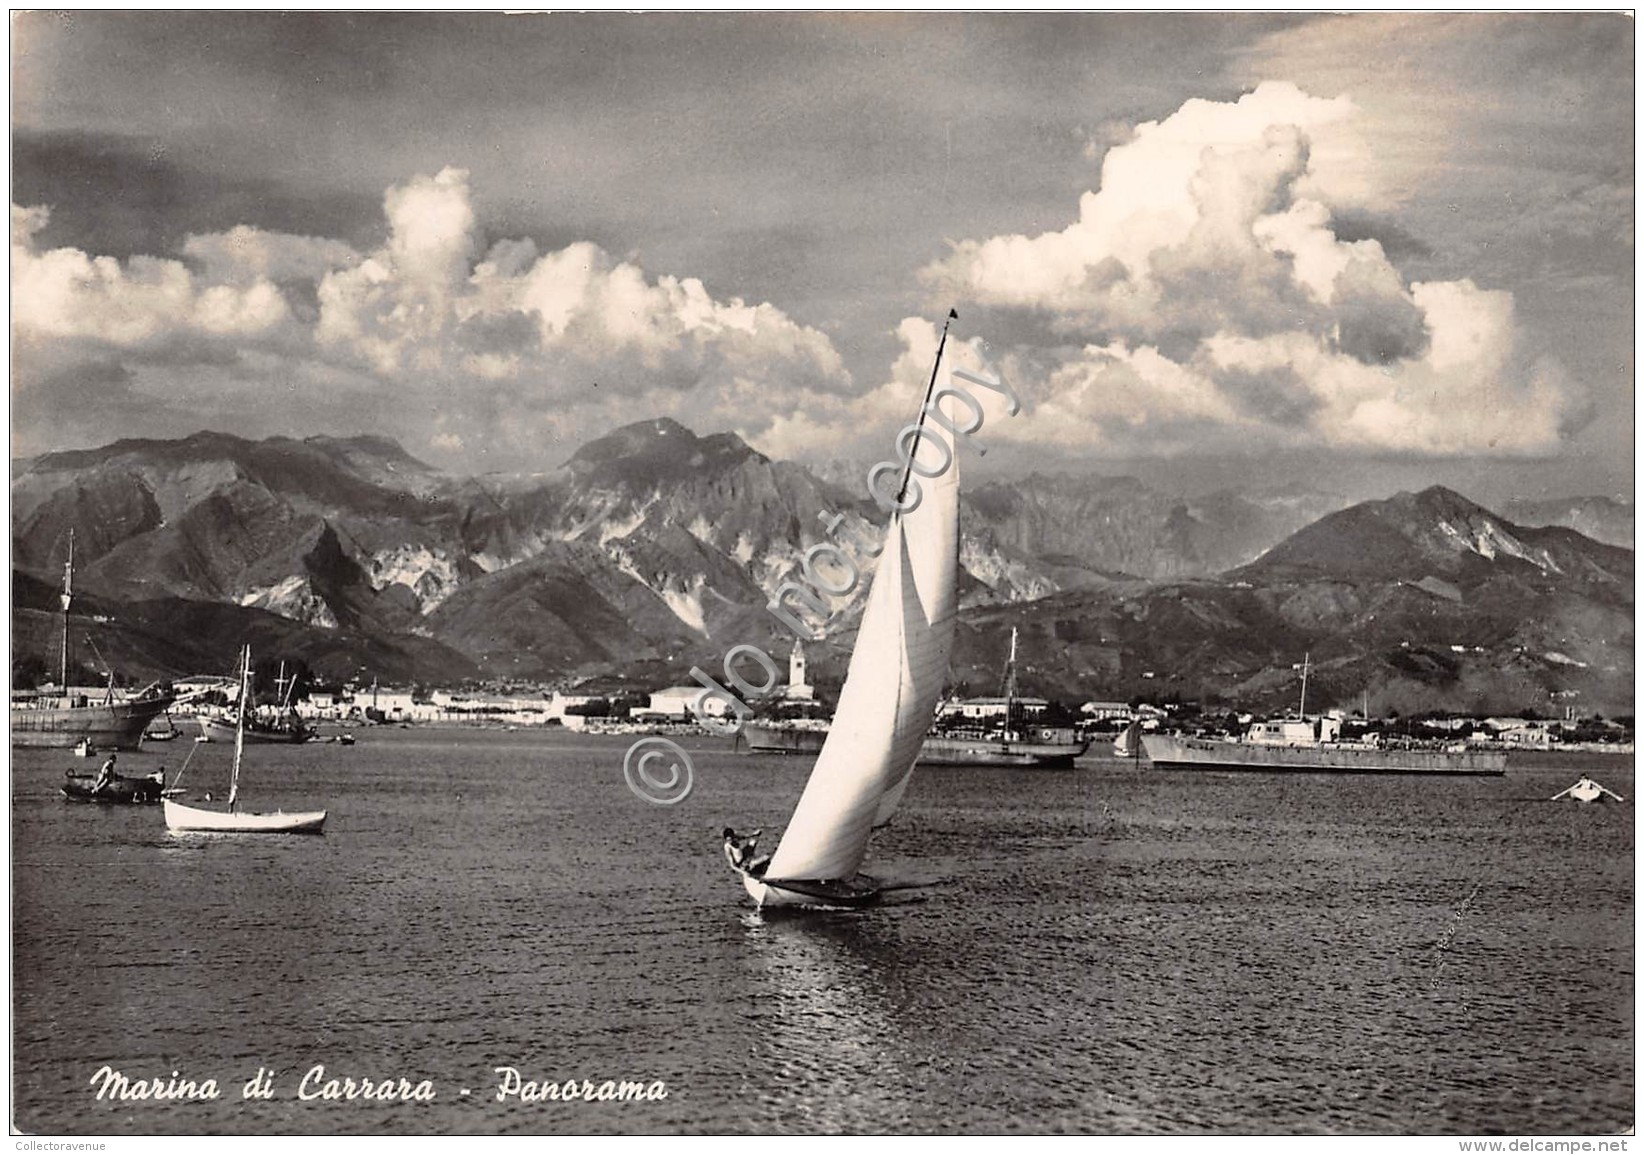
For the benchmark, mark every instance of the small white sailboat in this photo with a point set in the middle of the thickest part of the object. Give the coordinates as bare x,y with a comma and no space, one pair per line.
885,707
1129,743
1586,790
180,818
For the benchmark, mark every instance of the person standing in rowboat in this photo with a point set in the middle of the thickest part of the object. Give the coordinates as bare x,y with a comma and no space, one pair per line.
104,775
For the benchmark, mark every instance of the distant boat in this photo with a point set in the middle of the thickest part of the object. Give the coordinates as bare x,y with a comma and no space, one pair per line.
118,790
181,818
1129,743
162,733
64,720
1010,740
276,724
259,730
780,738
1313,746
885,707
1586,790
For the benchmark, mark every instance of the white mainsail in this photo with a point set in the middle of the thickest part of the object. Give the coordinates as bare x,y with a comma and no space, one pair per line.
890,692
1129,743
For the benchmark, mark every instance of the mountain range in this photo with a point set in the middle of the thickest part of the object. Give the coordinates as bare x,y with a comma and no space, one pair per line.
653,549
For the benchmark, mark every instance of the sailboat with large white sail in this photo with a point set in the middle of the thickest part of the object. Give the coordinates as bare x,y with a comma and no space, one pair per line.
1129,743
885,707
180,818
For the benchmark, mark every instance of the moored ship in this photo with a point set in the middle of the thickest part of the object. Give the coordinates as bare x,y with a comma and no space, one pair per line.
260,725
1006,738
114,724
1314,746
66,719
784,738
1316,757
1043,747
259,730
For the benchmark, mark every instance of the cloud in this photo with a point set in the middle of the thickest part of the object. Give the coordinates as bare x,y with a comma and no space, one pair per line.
147,302
245,255
463,348
1205,299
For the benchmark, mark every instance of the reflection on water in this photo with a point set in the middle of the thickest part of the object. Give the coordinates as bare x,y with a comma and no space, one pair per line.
830,1042
1107,950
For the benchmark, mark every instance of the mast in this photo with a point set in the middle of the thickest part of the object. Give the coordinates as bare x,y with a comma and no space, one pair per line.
239,727
902,490
1009,690
68,597
1307,660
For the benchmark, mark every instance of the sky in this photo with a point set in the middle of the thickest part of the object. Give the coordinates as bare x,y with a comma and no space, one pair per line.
1359,253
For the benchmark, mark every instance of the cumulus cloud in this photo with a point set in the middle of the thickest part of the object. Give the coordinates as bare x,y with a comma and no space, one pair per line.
65,293
246,255
459,346
1205,299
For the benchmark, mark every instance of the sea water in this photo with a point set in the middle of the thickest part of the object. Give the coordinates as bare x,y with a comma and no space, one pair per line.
1108,949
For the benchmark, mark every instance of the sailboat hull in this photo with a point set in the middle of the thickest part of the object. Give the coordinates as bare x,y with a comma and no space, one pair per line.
999,750
812,894
182,819
217,730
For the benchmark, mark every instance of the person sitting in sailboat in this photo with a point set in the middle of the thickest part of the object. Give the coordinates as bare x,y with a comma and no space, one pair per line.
739,852
105,775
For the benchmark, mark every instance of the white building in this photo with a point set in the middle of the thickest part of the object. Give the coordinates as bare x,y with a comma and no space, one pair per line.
559,703
976,708
799,690
1098,711
675,702
1531,736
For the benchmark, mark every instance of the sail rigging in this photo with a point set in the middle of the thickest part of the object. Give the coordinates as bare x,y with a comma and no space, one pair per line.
68,600
890,691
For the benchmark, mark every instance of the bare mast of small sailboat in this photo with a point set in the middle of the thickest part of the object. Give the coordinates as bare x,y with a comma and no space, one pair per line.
239,729
68,599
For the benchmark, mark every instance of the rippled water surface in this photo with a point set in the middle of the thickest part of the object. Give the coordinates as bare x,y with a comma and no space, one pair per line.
1102,950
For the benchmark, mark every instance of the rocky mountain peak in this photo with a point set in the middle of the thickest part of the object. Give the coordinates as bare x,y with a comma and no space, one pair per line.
647,453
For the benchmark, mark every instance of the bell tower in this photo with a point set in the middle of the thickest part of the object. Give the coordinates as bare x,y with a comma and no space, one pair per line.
798,688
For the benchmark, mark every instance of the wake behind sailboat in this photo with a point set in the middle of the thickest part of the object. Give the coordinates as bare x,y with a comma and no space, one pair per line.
890,692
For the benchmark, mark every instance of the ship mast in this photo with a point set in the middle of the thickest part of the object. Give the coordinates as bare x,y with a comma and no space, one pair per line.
68,597
1306,664
1012,720
1009,691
